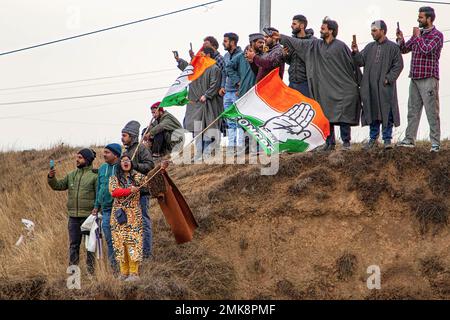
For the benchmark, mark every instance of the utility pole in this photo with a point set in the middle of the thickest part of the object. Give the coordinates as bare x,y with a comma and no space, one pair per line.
265,14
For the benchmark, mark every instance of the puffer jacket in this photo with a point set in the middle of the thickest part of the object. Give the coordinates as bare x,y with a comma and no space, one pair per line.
297,67
82,186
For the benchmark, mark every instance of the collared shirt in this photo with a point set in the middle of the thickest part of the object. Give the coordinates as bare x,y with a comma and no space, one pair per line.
426,52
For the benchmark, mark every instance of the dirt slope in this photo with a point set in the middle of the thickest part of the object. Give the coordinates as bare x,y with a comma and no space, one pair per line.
310,232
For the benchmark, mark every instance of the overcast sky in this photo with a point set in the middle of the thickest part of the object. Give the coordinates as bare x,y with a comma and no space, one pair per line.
147,47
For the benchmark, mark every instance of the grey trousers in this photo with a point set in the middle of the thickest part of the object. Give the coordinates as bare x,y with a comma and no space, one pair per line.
424,93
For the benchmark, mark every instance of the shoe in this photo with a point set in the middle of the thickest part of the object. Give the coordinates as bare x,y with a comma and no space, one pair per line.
133,278
122,277
435,149
388,145
370,145
406,144
346,146
327,148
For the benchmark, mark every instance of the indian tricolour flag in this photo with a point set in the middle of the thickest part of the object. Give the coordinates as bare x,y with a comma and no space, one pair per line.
178,92
281,119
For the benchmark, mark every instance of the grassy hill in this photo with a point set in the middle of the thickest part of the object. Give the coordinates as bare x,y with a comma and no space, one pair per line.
309,232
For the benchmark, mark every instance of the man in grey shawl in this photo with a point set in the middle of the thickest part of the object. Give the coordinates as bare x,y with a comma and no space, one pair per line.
205,106
333,79
383,63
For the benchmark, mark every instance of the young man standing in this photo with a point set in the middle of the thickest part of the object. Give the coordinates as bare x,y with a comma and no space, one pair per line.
235,134
426,46
82,186
383,64
104,200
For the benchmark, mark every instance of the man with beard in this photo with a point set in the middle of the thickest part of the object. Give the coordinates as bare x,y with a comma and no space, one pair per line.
235,134
383,64
256,46
204,108
211,42
426,46
333,79
297,70
104,201
82,186
269,61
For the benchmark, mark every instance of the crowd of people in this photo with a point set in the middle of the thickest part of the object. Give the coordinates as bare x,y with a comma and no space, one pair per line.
328,71
324,69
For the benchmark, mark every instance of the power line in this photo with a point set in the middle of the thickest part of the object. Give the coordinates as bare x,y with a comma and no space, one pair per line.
435,2
95,106
116,82
109,28
88,79
81,97
96,124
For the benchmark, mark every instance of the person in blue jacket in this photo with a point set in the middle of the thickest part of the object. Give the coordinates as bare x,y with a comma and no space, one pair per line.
104,200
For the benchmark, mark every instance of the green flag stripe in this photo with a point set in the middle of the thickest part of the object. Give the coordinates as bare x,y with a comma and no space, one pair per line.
177,99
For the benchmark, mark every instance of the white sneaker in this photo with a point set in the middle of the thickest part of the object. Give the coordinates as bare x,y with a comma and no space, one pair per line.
133,278
435,149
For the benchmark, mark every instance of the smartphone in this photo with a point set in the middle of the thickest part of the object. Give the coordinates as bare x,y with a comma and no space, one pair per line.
52,164
175,54
354,38
190,45
398,26
268,32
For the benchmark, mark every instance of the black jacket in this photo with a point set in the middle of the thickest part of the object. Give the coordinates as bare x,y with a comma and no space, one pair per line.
143,161
297,69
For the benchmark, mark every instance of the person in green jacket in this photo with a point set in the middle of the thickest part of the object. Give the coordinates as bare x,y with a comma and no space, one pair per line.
104,201
82,186
165,133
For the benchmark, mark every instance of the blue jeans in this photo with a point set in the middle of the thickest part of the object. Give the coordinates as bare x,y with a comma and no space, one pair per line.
387,131
303,88
346,134
235,133
106,229
147,226
202,146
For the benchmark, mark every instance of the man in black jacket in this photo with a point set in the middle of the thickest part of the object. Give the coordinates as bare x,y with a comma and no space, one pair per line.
297,70
143,163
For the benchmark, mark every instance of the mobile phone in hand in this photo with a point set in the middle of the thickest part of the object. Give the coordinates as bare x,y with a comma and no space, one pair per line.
175,54
398,26
52,164
190,46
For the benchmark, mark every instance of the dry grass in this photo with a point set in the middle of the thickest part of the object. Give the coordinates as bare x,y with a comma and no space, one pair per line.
259,237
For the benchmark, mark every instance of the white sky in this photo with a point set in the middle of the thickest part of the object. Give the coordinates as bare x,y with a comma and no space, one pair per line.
147,47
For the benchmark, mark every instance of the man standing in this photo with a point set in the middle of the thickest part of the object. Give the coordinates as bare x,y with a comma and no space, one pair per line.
426,46
205,107
103,200
235,134
165,132
211,42
297,70
333,79
142,163
383,63
273,59
82,185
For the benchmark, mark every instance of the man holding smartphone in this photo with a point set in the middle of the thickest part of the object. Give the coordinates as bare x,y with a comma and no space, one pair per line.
426,46
269,61
82,186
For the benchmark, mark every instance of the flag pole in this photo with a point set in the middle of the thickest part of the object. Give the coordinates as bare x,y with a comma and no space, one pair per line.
147,180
